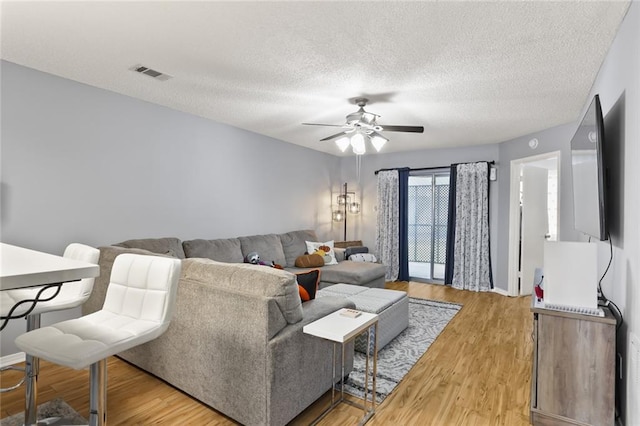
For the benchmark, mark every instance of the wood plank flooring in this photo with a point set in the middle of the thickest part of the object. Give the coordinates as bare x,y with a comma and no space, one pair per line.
477,372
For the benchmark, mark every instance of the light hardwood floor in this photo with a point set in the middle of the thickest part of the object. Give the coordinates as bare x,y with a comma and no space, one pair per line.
477,372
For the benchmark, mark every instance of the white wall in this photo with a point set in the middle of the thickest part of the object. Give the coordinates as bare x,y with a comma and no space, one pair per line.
87,165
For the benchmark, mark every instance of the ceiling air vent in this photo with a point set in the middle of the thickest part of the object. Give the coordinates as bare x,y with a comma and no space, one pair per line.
151,72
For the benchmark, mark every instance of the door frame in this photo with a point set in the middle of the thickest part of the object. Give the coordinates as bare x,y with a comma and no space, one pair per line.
514,214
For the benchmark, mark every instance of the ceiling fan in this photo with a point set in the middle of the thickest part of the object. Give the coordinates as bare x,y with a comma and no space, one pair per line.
362,125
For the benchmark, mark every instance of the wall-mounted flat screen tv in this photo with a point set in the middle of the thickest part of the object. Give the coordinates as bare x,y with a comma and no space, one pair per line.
589,172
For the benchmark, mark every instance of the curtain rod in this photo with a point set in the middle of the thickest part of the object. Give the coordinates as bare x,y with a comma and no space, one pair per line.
428,168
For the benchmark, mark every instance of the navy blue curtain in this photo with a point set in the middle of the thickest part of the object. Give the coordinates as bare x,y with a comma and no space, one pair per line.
403,224
489,221
451,226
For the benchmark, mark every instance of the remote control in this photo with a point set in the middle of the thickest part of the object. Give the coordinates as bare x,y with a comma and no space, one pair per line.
351,313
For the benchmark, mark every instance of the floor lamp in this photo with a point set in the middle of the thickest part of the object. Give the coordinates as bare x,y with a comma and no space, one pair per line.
347,204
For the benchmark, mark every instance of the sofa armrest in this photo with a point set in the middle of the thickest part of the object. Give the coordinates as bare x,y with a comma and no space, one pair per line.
319,308
300,364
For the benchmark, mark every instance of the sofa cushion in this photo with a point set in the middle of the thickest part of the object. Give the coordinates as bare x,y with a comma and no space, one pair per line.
170,245
268,247
340,254
357,273
308,284
244,278
222,250
355,250
352,272
293,244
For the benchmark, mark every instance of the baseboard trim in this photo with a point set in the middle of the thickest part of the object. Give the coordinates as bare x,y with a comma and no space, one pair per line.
501,291
12,359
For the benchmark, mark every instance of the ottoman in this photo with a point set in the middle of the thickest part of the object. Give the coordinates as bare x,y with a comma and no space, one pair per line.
392,307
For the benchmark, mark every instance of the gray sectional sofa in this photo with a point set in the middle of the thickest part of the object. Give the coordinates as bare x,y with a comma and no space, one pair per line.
236,341
282,249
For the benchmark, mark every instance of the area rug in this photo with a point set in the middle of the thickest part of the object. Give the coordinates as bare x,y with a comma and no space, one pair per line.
54,408
427,319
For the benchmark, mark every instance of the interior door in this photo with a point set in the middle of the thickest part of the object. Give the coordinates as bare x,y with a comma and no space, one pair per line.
534,224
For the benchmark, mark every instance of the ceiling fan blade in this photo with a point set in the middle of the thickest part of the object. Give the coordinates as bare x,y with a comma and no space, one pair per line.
333,136
411,129
318,124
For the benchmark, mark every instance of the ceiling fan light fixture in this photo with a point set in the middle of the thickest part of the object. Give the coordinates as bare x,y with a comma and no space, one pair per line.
361,126
378,141
343,143
357,143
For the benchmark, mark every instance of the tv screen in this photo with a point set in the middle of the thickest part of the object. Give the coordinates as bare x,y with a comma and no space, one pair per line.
589,174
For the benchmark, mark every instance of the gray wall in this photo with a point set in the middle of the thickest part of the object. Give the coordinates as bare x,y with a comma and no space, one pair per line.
88,165
84,164
554,139
618,84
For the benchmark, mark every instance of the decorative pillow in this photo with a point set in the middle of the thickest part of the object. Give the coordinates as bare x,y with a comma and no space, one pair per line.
355,249
329,257
363,257
308,284
309,261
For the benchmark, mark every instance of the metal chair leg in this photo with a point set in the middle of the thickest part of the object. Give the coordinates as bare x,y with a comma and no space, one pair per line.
98,393
16,386
33,322
31,371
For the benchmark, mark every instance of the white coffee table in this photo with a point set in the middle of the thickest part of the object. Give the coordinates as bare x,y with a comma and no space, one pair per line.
341,329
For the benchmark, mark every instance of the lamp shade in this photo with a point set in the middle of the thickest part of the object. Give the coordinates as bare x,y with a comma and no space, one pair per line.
338,215
354,208
343,143
378,142
357,143
343,199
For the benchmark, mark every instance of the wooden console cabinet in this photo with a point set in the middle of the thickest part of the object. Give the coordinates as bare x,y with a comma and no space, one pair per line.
573,381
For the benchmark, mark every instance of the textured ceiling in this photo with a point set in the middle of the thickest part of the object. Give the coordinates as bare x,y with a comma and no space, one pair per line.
469,72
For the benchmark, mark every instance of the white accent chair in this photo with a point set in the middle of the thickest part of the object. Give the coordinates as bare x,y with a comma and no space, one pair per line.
70,295
138,308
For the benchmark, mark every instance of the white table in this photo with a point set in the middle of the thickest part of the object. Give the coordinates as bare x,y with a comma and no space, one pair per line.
341,329
21,268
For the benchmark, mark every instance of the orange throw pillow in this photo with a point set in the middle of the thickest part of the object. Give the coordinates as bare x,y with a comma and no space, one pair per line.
309,261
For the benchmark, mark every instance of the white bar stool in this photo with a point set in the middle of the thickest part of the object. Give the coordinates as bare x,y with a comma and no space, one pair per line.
70,295
137,308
